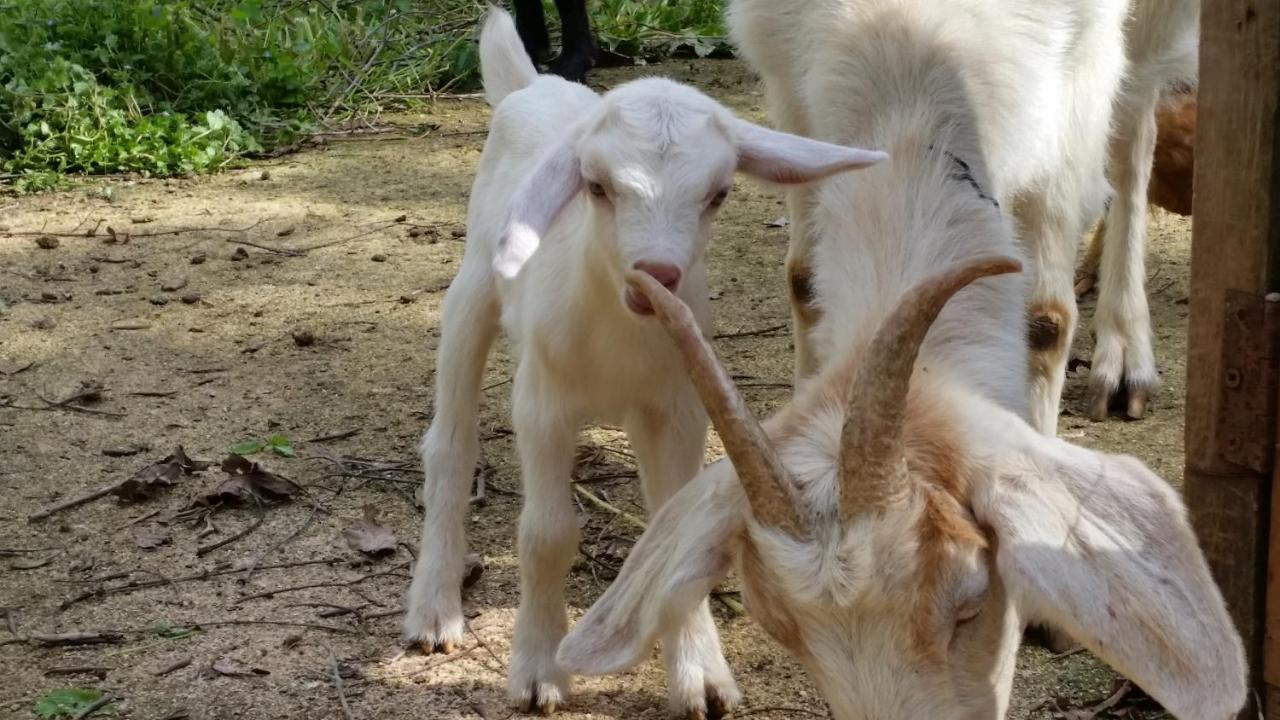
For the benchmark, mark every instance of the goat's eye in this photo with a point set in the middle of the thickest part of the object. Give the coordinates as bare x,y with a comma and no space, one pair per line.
718,199
596,189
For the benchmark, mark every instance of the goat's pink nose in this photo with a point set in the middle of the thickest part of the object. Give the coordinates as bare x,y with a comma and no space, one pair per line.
668,275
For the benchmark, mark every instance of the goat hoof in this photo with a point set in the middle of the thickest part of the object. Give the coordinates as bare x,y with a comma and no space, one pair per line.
1099,404
543,703
1136,408
717,707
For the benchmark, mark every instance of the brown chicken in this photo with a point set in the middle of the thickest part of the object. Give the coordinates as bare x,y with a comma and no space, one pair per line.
1172,168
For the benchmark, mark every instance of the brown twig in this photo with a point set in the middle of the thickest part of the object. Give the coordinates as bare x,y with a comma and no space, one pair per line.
334,436
312,586
97,670
337,684
75,638
66,404
285,623
75,501
484,645
609,507
144,584
287,252
253,565
331,243
94,707
206,549
174,666
750,333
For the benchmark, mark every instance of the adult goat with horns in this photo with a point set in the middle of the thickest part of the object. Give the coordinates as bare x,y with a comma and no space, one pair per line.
897,523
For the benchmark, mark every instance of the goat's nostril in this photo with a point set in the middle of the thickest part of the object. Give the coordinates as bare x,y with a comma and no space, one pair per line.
668,275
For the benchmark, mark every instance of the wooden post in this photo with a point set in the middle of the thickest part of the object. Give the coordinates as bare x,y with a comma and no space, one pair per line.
1235,254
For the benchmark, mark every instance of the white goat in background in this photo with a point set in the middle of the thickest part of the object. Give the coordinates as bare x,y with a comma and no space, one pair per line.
598,186
897,524
1042,79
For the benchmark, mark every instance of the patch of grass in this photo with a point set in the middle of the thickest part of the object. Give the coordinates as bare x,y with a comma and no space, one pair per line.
187,86
69,702
655,29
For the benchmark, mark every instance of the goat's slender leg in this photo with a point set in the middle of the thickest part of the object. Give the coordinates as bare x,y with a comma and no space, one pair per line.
1123,352
531,24
1054,233
669,447
785,108
1087,272
546,432
469,323
577,47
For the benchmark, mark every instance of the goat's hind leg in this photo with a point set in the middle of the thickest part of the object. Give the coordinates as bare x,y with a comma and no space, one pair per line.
1123,358
546,434
669,449
450,448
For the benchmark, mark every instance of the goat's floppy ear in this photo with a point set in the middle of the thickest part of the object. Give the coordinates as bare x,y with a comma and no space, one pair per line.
1100,546
785,158
537,201
687,549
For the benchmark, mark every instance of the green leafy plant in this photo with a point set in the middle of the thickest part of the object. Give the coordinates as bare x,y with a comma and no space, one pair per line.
188,86
278,444
70,702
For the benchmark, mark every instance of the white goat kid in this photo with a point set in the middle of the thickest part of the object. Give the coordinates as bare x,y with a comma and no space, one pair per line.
1040,80
598,186
1161,40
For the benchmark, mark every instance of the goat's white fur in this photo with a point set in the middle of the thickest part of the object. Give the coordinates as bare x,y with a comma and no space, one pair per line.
1039,82
1095,544
1161,39
545,260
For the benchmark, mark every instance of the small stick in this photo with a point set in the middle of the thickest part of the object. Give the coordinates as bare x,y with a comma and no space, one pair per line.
137,520
312,586
174,666
143,584
75,638
93,707
206,549
286,623
750,333
97,670
334,436
337,684
75,501
608,507
253,566
484,645
288,252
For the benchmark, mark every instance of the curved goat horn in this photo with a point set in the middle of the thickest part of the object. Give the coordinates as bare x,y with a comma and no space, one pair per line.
757,465
873,461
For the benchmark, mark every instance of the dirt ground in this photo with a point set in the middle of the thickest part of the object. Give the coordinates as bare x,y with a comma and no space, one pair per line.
215,362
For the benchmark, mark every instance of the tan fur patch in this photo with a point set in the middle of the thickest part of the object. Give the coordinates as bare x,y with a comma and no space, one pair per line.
1047,327
767,606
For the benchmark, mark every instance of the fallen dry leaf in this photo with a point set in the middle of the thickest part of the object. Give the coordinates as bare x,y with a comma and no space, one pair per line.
160,474
369,537
247,480
234,668
29,563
